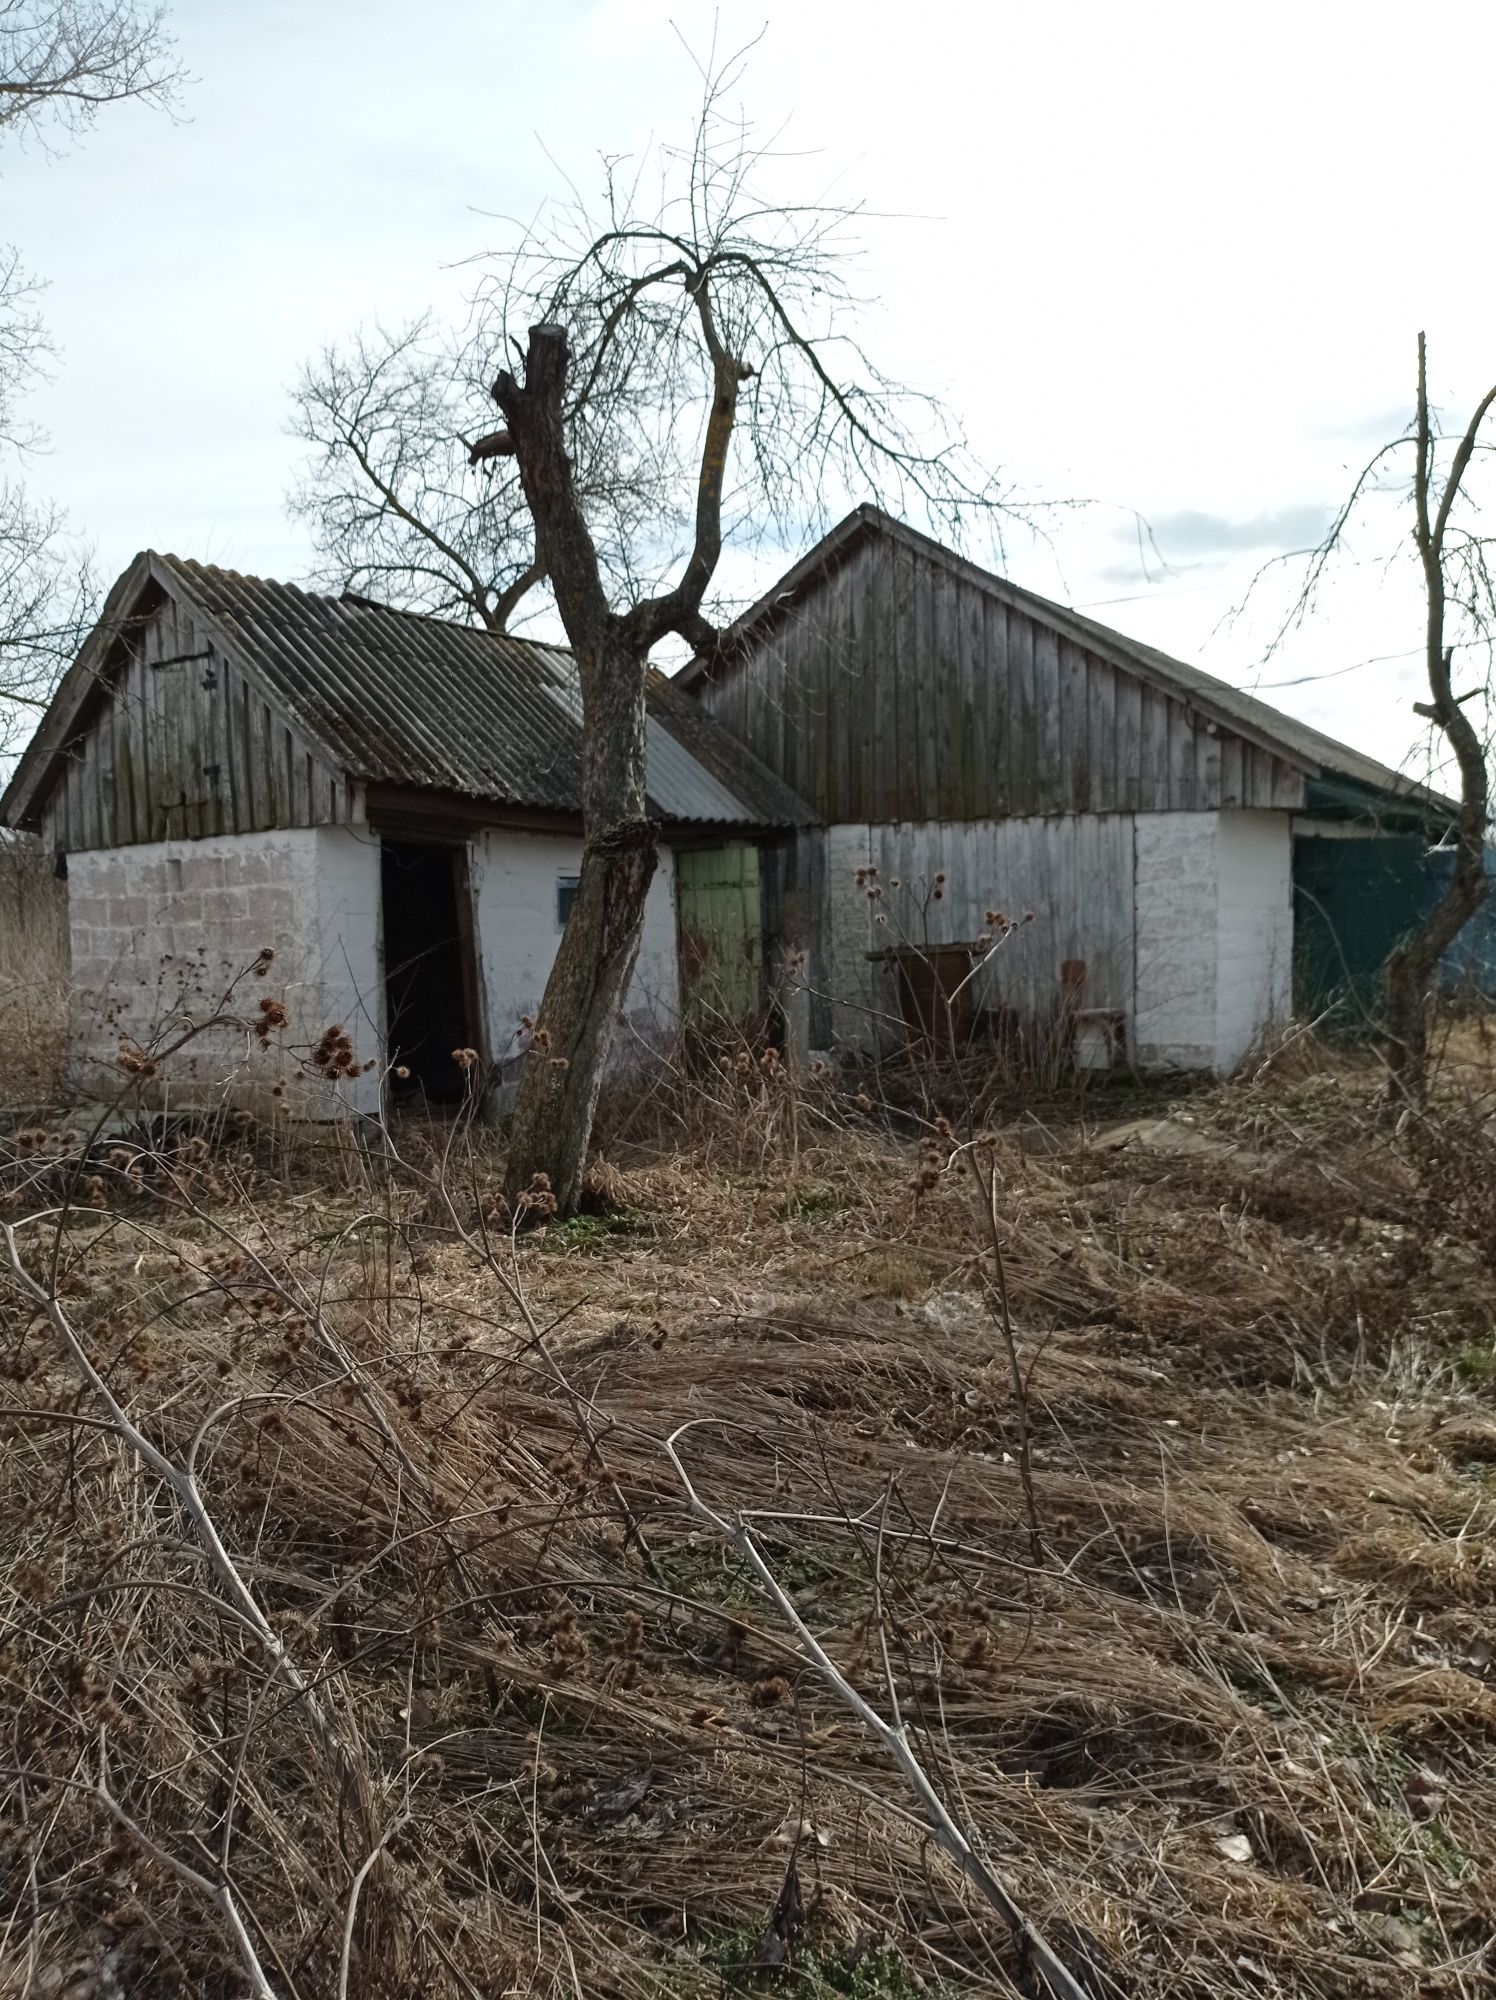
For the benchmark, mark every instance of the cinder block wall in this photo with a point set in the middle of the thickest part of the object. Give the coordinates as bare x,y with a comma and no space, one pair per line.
159,933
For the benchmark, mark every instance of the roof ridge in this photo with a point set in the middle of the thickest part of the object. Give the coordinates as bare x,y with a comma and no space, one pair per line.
1237,708
422,702
356,597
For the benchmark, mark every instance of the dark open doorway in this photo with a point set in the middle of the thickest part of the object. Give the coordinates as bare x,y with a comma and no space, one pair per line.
430,969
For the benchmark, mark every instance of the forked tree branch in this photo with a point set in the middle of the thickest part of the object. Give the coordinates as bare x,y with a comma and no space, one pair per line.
182,1484
1033,1946
219,1894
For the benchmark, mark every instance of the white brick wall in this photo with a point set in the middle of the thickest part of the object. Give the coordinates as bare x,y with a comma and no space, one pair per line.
846,973
159,932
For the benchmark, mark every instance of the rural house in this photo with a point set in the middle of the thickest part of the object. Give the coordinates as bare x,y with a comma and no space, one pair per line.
390,802
1196,863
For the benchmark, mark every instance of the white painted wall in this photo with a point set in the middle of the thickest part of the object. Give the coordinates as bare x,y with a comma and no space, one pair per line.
514,878
849,931
158,933
1214,967
1254,930
1174,964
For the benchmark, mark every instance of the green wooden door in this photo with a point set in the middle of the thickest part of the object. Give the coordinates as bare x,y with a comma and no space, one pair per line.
1352,902
721,934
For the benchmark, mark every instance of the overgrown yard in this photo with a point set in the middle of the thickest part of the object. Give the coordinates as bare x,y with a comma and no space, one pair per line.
541,1729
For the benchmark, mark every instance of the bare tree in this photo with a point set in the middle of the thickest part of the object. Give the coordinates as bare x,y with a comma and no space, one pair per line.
401,504
696,342
1459,593
47,603
1453,555
59,63
394,503
46,591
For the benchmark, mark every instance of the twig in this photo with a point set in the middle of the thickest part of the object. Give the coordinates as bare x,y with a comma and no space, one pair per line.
1031,1943
217,1893
512,1286
355,1888
184,1488
997,1300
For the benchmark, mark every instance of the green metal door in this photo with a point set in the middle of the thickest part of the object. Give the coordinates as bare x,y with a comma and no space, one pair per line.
721,934
1353,900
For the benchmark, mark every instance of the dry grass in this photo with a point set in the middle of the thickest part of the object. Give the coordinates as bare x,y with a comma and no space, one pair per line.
1234,1737
33,971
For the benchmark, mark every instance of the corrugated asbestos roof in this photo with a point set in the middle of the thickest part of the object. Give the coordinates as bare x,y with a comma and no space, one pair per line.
1228,704
399,698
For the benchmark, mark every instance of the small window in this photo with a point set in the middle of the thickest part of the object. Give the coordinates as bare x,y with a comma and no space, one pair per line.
566,895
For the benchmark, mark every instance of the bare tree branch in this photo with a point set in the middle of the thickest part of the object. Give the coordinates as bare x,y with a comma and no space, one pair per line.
61,61
893,1737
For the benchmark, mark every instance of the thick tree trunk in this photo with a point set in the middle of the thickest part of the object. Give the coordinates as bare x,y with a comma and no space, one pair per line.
585,993
589,981
1413,968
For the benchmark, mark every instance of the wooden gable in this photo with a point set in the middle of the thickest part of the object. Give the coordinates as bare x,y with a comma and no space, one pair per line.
159,733
897,685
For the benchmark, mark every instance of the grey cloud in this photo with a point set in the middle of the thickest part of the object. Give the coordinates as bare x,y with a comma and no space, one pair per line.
1378,428
1129,573
1199,536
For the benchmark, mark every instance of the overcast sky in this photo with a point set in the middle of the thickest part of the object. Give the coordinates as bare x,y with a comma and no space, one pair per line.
1168,259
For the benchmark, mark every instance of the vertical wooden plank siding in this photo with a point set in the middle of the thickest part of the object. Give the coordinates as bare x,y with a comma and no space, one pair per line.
1129,726
1024,791
177,748
1208,764
931,677
844,661
948,695
999,723
901,688
1101,734
1054,722
718,912
1231,771
878,722
1075,724
976,760
1065,869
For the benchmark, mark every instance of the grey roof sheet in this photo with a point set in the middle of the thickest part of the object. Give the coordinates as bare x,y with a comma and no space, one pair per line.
397,697
1301,743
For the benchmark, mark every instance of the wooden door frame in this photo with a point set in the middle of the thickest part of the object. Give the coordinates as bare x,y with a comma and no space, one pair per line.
459,849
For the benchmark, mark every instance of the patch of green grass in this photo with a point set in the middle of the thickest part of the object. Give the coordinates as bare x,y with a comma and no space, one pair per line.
1477,1365
882,1974
587,1235
814,1199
